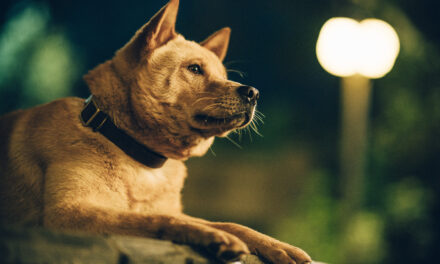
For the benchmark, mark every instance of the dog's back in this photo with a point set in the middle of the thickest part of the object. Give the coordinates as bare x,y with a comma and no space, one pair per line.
22,159
11,191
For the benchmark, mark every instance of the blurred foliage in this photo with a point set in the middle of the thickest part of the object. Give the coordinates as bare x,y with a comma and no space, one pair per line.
313,224
37,61
285,183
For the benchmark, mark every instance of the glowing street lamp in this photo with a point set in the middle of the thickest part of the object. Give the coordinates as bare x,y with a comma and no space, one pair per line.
358,52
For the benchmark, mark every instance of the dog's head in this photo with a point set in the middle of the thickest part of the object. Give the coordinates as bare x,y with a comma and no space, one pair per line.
173,94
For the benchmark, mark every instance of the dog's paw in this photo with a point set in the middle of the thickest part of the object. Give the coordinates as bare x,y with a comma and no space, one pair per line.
281,253
225,246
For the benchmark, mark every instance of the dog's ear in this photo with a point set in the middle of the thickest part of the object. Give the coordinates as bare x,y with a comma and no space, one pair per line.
155,33
218,42
161,27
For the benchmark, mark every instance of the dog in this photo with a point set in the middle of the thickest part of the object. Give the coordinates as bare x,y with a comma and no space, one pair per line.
113,164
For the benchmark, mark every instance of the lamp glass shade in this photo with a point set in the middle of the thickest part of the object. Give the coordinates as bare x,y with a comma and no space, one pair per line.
346,47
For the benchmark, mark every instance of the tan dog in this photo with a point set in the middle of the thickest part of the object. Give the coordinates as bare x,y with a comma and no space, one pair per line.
97,167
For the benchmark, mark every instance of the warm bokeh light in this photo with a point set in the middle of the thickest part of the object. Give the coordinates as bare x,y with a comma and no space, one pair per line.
336,47
346,47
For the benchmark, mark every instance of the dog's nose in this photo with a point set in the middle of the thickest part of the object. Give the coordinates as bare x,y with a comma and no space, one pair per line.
249,93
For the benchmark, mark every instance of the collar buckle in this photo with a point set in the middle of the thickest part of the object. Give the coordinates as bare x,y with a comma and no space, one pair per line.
91,115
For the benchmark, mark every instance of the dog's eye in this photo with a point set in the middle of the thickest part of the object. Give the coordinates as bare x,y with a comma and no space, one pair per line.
195,68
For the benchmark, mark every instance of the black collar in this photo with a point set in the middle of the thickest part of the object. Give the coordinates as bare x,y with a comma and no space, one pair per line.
92,116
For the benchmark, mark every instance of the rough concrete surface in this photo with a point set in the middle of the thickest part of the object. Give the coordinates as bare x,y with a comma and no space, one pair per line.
39,245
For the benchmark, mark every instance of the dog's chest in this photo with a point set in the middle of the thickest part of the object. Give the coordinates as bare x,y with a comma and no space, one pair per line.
154,190
143,183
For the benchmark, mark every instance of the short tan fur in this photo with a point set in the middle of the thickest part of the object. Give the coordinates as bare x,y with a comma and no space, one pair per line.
171,95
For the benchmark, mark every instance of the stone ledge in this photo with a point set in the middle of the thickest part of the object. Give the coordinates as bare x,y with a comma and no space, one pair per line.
38,245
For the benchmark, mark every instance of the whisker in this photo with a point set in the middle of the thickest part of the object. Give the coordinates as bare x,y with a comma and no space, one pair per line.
259,116
239,134
242,74
233,142
259,113
259,122
255,129
249,133
258,119
212,151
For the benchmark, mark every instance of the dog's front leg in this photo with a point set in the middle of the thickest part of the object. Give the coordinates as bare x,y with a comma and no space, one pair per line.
104,221
262,245
87,198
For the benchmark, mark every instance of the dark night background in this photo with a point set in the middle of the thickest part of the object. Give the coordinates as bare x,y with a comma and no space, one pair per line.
286,182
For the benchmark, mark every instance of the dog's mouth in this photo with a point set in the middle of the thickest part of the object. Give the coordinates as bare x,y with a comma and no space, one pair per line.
211,121
208,125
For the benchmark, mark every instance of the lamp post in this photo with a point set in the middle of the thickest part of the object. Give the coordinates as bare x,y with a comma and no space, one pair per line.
357,52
